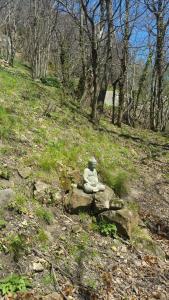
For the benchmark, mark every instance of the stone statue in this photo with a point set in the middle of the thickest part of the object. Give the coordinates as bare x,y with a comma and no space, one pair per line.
91,182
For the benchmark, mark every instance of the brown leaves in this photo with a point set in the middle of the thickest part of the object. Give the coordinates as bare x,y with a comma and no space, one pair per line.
150,260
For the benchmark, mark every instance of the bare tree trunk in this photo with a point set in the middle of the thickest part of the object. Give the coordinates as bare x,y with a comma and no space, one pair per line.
82,80
152,100
95,76
159,65
113,101
124,65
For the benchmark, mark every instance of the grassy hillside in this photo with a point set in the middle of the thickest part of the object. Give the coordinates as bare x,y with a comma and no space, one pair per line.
43,128
45,137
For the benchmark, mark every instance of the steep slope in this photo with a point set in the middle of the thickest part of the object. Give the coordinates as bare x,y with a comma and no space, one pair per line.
45,143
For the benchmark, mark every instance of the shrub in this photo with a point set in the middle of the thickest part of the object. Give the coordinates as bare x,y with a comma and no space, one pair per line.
120,184
17,244
106,228
118,181
14,283
51,81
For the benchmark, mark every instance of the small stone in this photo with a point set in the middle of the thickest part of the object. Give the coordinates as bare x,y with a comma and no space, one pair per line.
41,186
114,248
58,196
62,237
53,296
37,267
76,228
137,263
123,249
23,139
144,264
24,223
156,295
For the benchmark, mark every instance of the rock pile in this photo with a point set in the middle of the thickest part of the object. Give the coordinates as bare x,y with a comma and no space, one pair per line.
104,205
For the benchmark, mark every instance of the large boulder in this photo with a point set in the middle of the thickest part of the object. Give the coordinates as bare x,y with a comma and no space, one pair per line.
77,200
106,200
125,220
5,197
99,202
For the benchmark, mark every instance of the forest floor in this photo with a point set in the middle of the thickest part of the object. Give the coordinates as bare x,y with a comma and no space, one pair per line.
45,143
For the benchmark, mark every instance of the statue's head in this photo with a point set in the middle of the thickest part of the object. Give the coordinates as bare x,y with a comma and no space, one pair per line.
92,163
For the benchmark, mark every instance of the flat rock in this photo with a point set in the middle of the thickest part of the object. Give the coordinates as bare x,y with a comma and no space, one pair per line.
116,204
41,186
125,220
6,196
42,191
25,172
77,200
106,200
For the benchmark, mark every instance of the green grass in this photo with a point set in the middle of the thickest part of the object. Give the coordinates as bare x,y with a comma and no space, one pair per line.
58,153
42,238
44,214
3,223
19,204
60,145
17,245
68,145
6,123
47,280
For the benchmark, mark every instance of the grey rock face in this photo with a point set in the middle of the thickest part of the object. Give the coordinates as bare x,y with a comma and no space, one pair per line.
6,196
106,200
78,200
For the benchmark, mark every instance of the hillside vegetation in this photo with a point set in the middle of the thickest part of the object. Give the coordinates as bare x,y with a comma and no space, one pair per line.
46,140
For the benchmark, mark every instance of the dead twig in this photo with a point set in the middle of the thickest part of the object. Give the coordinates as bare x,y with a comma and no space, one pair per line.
57,288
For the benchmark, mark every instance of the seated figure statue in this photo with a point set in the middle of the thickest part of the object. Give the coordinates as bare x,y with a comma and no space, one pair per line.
91,182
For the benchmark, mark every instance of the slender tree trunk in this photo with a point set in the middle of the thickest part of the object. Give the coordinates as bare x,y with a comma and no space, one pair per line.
113,102
82,80
95,76
124,65
152,100
159,67
102,94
